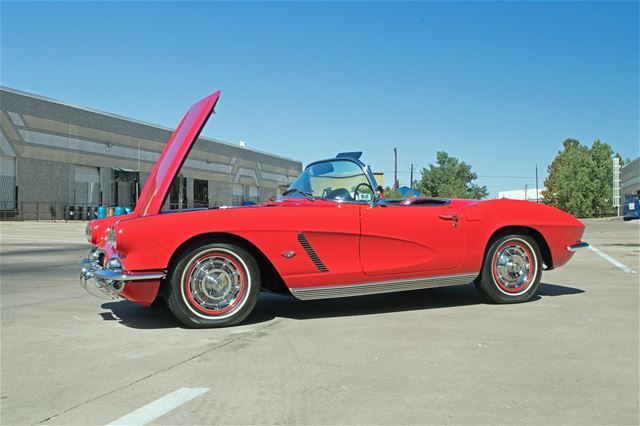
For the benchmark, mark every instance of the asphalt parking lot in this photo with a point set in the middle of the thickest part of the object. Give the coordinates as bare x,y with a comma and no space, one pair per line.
571,356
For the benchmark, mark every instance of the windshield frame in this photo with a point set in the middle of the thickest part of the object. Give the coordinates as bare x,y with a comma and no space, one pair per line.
366,170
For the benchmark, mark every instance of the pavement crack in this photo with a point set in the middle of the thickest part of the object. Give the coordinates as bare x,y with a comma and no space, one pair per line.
222,344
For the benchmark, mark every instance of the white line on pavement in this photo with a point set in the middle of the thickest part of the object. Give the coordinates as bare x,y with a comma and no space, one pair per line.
611,260
160,407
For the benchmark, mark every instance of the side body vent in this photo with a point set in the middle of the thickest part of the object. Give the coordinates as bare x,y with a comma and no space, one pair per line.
311,252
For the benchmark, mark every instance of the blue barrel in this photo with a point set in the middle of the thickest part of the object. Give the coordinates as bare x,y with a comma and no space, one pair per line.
118,211
102,212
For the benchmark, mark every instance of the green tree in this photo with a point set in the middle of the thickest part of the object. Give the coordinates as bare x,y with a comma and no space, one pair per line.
602,156
580,180
450,177
390,193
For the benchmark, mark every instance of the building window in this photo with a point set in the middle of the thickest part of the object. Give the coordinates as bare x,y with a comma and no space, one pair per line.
178,193
200,193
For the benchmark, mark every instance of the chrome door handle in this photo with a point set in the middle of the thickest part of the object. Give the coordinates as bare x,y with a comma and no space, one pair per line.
453,217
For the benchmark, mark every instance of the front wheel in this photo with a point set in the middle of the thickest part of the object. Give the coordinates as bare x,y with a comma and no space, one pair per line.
511,270
213,285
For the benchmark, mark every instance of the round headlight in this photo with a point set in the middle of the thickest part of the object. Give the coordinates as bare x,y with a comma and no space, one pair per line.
114,264
94,253
111,238
87,231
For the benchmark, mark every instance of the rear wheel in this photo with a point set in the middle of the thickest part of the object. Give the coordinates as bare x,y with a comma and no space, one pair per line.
213,285
511,271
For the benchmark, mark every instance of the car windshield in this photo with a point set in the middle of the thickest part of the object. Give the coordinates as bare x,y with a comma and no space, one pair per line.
340,180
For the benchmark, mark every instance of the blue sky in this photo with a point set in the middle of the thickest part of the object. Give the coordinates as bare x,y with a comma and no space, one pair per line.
497,84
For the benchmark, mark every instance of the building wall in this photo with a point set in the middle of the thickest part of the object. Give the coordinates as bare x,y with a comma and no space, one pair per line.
48,139
48,181
630,179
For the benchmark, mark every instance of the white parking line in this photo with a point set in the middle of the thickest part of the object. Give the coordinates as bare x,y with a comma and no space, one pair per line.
160,407
611,260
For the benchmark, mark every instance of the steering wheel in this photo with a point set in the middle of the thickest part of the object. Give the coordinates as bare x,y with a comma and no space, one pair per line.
355,191
340,194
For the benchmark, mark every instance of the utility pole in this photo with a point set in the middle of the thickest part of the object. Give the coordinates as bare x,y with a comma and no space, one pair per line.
411,179
537,192
525,193
395,169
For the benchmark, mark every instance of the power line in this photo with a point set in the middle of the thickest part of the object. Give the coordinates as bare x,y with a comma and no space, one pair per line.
480,176
418,151
507,177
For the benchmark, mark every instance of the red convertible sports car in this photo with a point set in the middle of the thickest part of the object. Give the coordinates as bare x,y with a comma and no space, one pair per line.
331,234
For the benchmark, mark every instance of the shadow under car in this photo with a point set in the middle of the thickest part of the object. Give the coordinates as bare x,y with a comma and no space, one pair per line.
272,305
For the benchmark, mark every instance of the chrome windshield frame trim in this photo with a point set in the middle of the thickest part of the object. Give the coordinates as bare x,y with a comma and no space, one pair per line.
366,170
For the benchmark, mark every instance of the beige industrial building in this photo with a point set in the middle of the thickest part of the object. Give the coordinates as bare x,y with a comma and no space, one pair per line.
630,179
62,161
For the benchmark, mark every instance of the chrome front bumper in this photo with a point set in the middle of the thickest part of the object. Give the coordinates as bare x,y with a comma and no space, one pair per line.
577,246
108,282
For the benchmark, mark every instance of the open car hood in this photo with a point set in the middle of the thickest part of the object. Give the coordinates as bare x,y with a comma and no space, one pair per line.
170,162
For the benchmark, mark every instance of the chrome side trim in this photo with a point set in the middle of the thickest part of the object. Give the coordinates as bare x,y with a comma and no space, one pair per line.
578,246
302,239
328,292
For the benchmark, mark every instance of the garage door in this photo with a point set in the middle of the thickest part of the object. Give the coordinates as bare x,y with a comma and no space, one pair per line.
87,187
7,183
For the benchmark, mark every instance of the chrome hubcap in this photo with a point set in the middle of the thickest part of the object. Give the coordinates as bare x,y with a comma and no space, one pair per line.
513,265
215,283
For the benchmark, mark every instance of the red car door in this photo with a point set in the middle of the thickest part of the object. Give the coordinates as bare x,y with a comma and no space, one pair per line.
398,239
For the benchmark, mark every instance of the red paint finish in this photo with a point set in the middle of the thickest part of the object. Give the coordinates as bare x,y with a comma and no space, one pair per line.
356,242
400,239
141,292
155,190
333,230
